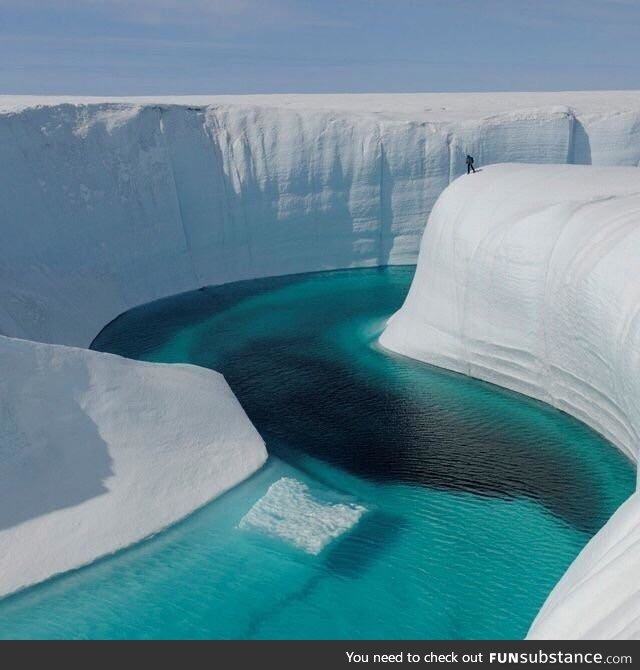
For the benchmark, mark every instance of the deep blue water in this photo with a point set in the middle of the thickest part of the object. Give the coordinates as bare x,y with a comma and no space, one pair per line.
477,498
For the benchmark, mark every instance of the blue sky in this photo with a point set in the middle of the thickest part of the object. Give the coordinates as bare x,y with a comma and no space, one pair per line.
125,47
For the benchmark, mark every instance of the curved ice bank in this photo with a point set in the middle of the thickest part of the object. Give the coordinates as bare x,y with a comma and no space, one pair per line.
108,204
98,452
528,277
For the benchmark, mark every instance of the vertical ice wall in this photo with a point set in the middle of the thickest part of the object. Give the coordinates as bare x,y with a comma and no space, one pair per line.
110,205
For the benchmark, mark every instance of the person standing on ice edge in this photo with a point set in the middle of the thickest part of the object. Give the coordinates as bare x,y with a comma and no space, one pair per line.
470,164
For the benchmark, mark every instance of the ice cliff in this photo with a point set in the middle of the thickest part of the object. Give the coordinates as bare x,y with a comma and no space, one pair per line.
109,204
528,278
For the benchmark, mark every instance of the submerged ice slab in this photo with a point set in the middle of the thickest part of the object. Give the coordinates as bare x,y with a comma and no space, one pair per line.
528,277
98,452
290,512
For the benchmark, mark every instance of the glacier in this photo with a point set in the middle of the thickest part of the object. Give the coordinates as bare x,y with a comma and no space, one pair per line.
110,203
527,278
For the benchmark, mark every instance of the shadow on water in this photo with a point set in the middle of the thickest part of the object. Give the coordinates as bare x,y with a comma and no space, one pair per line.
187,311
329,412
349,556
360,548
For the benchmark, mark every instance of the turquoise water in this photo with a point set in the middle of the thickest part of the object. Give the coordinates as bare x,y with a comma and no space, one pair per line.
478,499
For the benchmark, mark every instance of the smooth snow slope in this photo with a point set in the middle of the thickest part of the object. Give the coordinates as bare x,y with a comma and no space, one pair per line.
528,277
98,451
109,204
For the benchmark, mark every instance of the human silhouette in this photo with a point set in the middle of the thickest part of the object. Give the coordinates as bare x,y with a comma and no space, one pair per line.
470,164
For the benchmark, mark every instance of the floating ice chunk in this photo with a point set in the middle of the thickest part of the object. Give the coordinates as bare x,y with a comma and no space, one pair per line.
289,511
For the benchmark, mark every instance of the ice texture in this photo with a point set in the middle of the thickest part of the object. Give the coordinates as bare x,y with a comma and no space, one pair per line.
528,277
108,204
289,511
98,452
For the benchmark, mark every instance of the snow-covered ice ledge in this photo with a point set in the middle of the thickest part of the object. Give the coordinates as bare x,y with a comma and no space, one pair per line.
528,277
98,452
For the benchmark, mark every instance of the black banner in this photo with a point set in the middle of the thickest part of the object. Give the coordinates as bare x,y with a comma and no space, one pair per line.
339,654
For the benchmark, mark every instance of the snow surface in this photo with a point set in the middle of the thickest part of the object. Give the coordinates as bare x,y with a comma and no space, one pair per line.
110,203
98,452
289,511
528,277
